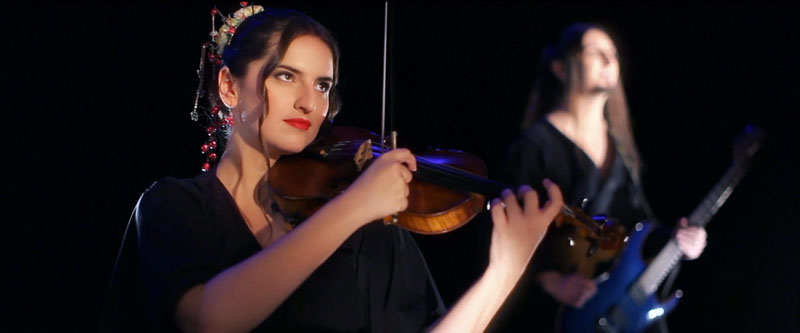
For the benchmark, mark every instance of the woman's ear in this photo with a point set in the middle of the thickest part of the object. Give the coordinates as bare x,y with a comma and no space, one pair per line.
557,67
228,90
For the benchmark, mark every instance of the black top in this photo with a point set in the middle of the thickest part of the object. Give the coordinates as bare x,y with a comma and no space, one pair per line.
544,152
190,230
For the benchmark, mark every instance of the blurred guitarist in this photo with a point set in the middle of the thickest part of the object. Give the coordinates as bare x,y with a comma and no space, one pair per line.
576,131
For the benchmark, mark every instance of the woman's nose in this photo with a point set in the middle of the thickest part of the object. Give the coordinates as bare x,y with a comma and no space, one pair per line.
609,58
305,101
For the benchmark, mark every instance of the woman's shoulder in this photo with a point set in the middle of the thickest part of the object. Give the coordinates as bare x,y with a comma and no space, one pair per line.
172,195
539,152
539,136
538,139
542,133
196,184
173,188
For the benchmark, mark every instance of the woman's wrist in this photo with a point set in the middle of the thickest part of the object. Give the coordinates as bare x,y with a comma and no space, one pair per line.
502,276
349,210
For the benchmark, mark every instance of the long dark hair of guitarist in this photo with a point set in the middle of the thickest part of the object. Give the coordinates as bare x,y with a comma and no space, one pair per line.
215,256
576,131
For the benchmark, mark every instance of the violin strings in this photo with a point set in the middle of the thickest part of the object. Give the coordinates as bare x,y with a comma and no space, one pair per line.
588,222
347,148
443,169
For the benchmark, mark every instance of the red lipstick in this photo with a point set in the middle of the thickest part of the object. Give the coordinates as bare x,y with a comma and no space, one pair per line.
300,123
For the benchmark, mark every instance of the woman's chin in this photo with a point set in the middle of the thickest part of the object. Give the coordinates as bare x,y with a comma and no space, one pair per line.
288,149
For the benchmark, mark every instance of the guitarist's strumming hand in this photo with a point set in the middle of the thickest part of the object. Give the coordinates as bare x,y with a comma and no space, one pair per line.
691,240
569,289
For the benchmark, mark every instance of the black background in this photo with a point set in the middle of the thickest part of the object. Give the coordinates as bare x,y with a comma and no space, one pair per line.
97,100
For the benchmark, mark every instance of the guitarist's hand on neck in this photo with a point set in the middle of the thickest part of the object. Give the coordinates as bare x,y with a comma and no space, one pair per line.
691,240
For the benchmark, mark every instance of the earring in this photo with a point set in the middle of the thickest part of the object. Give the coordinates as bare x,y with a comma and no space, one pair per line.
241,117
219,128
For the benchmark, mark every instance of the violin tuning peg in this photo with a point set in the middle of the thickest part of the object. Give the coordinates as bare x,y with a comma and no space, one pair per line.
389,220
583,203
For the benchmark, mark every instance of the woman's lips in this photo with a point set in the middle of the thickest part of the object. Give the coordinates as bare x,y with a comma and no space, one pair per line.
300,123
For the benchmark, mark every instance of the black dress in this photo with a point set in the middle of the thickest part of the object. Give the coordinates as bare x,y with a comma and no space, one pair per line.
189,230
544,152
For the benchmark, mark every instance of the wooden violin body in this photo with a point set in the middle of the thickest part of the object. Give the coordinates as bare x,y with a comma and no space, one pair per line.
302,183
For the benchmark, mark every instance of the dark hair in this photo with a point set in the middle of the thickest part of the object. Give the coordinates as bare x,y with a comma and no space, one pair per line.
549,90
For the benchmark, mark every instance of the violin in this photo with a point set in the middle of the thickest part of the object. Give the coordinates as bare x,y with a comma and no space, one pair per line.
449,187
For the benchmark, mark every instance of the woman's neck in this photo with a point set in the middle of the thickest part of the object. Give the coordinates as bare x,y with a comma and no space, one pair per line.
581,115
581,119
242,168
242,171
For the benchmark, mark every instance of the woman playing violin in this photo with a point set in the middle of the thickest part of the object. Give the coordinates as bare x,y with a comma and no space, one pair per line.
215,256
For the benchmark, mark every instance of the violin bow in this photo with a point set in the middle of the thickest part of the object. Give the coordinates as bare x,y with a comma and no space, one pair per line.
393,138
383,88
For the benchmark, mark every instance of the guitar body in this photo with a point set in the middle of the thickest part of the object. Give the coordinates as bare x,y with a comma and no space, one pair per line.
613,308
625,302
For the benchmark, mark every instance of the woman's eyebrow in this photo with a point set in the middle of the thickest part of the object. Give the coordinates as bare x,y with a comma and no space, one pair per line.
290,68
299,72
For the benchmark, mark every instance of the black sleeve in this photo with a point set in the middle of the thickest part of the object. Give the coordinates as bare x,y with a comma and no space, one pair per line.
174,248
413,301
434,305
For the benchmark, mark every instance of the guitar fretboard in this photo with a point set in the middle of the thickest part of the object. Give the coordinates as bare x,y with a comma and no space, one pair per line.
663,263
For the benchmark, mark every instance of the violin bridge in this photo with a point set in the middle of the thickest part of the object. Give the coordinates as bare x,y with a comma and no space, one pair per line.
363,154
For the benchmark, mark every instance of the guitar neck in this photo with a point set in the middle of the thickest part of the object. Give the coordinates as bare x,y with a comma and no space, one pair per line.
718,195
666,259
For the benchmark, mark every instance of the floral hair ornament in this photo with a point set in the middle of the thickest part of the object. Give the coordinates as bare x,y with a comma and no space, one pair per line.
218,120
225,34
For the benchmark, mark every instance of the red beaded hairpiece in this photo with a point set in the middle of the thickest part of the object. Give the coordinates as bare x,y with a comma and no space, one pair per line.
219,120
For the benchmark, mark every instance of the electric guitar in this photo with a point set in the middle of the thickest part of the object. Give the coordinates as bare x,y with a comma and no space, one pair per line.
625,300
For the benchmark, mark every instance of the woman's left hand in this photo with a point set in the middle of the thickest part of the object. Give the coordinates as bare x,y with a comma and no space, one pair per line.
518,230
516,234
691,240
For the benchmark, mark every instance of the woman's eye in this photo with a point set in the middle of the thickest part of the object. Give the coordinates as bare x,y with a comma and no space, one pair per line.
284,76
323,86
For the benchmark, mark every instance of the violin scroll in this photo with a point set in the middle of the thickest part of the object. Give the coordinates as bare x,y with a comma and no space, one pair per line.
599,231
